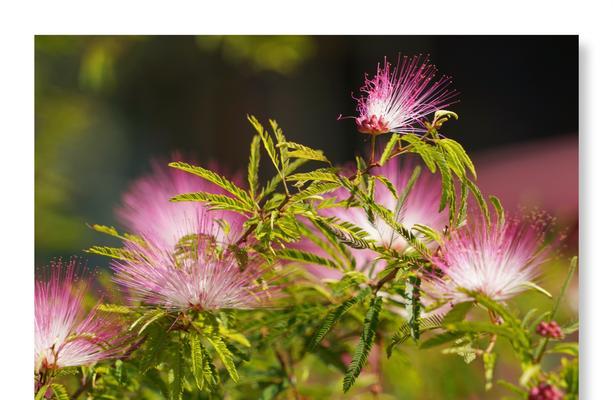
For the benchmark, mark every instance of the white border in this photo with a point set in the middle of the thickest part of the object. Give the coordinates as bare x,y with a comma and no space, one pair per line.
21,20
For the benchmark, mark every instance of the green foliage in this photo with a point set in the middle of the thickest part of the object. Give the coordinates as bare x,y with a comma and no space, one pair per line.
334,315
254,166
59,392
113,252
197,359
364,346
225,355
215,201
304,256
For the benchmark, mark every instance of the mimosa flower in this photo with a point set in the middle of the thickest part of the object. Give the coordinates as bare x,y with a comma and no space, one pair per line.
146,208
64,334
397,99
499,261
201,276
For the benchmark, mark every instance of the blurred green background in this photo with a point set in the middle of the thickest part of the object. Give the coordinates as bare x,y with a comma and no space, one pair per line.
106,105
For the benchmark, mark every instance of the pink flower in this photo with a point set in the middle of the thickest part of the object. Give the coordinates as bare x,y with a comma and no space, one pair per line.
64,334
146,208
419,206
498,261
396,100
202,275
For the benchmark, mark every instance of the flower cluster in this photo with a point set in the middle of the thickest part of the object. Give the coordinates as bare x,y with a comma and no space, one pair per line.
545,391
549,329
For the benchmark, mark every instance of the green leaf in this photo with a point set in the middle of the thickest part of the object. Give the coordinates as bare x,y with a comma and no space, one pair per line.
480,327
321,175
111,231
428,232
208,369
152,351
399,337
113,252
40,395
277,179
528,373
441,338
147,319
196,352
455,164
216,179
59,392
480,200
515,389
333,316
269,145
532,285
176,373
571,328
254,165
225,355
499,209
215,201
570,348
448,189
114,309
389,185
422,148
367,339
234,336
304,152
283,154
461,215
389,148
414,306
489,361
460,153
569,276
315,190
432,321
306,257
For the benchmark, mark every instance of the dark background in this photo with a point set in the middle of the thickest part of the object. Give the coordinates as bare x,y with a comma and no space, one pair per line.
106,105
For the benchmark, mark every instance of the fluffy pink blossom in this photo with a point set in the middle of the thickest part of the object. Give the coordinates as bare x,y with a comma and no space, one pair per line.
64,334
397,99
203,276
146,208
419,206
498,261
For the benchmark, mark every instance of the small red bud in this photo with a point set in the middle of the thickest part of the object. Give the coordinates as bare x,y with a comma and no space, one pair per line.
549,330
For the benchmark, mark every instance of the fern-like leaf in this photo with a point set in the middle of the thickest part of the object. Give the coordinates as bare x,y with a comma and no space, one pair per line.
365,345
334,316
